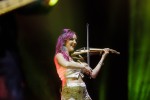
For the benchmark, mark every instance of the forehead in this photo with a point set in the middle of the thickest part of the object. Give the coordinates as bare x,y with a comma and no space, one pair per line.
74,36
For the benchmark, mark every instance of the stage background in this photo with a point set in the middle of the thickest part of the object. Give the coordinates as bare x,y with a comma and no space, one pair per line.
120,25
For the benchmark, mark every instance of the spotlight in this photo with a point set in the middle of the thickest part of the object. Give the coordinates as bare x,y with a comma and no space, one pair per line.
48,2
38,7
52,2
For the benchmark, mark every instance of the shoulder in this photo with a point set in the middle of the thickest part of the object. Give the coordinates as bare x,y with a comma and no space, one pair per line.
58,55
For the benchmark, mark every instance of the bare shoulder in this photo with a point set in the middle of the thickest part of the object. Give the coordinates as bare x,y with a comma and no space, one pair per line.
59,55
60,59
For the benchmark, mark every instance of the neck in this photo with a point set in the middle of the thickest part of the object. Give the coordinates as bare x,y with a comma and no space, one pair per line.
66,50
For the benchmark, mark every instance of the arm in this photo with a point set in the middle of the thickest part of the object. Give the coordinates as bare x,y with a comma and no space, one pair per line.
96,70
68,64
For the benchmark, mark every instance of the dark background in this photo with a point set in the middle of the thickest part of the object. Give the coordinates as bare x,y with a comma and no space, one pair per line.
37,35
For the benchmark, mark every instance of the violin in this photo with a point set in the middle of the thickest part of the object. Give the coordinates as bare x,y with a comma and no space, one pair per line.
77,54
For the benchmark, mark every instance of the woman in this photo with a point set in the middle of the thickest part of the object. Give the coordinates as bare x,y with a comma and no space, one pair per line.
71,72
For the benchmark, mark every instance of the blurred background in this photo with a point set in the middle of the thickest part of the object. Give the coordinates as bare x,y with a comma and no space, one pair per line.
29,30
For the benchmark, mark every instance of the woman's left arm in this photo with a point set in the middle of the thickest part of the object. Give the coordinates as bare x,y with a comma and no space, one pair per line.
96,70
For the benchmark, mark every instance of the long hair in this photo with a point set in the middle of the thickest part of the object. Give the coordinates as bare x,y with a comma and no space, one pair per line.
60,46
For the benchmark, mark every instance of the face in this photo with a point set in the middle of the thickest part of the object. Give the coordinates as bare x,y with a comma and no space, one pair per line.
71,43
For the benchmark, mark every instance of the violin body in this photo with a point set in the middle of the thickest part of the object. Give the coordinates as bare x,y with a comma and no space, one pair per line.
77,54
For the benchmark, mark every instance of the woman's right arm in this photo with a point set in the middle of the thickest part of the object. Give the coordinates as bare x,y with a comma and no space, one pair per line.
68,64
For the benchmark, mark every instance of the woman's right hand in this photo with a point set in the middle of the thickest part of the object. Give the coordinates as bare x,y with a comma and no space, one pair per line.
87,70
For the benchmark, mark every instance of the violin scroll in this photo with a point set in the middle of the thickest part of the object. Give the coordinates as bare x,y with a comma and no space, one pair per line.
111,51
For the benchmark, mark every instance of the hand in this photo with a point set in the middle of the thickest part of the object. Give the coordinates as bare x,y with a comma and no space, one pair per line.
87,70
106,50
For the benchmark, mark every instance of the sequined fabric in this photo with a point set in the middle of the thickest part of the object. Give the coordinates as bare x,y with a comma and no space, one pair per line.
75,91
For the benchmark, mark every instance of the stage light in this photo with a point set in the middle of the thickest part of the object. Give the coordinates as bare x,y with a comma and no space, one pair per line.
38,7
48,2
139,47
53,2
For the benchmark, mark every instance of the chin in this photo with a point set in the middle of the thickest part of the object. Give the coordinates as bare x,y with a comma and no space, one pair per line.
71,50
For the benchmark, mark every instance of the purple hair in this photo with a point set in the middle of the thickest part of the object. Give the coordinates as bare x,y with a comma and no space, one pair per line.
65,35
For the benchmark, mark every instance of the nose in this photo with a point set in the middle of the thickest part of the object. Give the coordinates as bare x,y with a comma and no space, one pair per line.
75,42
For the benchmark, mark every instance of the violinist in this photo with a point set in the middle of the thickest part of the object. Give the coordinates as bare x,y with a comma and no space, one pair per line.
71,72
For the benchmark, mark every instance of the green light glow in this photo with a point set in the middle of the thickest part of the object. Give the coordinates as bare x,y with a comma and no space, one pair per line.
139,47
52,2
102,89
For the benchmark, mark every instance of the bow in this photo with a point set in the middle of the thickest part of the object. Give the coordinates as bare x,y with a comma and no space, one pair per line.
76,55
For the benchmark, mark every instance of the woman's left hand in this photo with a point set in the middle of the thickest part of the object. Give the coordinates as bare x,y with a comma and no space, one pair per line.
106,50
